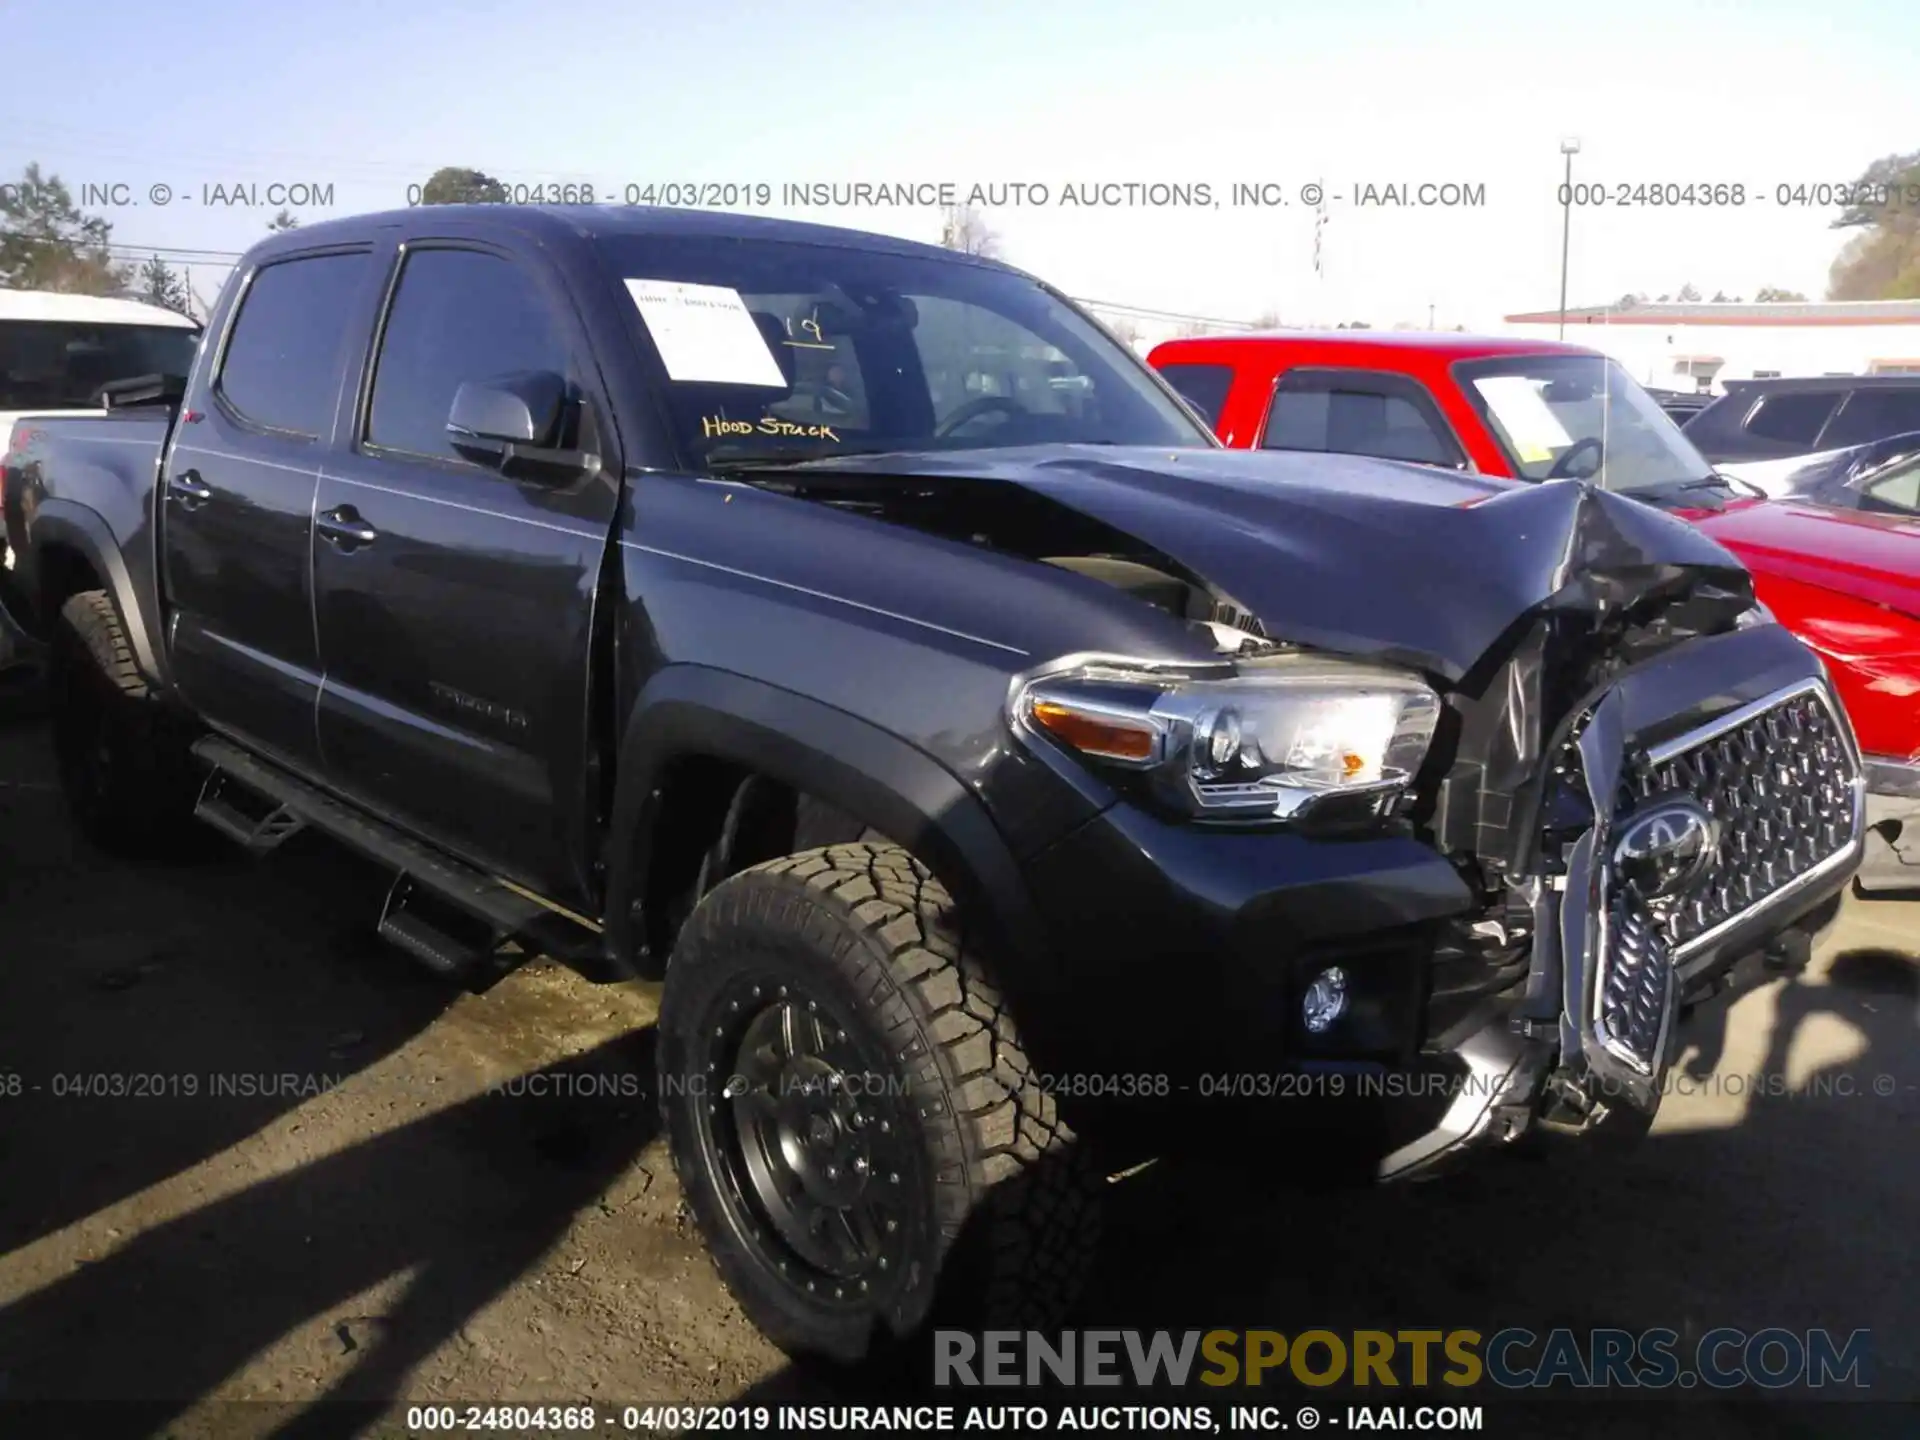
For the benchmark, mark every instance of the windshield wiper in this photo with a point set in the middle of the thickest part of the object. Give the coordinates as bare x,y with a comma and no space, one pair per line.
787,459
1683,491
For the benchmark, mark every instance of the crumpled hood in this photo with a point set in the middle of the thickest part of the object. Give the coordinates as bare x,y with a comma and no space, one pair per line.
1399,562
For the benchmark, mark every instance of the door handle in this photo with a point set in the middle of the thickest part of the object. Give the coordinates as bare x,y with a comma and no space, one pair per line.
189,489
343,527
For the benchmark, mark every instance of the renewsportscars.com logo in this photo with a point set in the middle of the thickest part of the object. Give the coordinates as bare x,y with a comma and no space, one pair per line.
1513,1358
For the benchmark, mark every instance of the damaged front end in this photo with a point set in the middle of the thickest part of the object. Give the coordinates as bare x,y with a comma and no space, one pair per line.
1628,780
1653,785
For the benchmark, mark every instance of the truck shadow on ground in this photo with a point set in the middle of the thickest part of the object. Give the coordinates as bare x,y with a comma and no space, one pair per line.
461,1203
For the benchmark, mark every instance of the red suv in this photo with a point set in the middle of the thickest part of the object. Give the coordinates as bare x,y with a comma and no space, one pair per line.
1846,581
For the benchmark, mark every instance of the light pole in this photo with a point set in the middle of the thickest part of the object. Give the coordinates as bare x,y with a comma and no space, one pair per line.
1569,147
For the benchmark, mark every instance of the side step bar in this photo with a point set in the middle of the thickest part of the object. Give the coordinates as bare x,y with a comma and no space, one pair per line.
450,916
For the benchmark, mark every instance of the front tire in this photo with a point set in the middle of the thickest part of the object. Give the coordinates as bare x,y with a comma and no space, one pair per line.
124,759
853,1119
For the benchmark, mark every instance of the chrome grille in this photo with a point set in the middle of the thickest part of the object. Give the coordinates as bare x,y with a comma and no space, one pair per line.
1634,983
1782,784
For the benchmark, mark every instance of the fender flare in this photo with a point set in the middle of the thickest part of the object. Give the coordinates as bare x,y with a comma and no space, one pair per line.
898,789
66,522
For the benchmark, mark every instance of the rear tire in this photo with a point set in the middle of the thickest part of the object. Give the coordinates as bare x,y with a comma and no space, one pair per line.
124,758
853,1119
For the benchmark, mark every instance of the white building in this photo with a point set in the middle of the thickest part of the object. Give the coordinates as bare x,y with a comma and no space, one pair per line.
1700,346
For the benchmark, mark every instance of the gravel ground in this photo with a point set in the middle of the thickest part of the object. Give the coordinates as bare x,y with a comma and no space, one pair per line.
316,1181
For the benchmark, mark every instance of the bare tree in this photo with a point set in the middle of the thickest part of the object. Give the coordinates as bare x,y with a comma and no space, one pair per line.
965,229
1267,320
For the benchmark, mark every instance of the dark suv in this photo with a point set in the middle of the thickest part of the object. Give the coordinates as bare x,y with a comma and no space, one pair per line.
1002,777
1778,419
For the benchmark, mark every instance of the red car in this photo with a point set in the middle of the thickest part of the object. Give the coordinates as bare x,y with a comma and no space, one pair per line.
1846,581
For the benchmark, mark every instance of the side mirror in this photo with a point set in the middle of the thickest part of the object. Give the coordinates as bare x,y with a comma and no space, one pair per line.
511,421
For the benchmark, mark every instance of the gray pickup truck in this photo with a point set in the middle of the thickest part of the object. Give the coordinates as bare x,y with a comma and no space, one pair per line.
1007,783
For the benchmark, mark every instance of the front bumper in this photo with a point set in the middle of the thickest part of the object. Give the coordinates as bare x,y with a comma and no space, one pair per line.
1572,1055
1550,1007
1892,860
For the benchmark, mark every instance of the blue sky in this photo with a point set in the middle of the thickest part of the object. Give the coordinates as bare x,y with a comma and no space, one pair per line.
369,98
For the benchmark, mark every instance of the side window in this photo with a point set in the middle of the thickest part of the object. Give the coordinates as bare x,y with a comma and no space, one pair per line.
1795,417
1355,414
1205,386
281,369
1874,415
457,315
1898,490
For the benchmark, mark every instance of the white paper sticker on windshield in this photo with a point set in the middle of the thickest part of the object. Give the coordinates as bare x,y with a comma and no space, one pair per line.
705,334
1533,429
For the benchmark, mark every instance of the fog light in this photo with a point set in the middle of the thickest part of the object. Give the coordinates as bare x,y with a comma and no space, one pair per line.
1325,1000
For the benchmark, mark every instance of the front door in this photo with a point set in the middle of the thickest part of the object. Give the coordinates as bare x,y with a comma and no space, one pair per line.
455,605
237,504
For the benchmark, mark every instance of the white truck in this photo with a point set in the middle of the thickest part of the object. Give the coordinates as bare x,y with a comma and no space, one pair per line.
56,351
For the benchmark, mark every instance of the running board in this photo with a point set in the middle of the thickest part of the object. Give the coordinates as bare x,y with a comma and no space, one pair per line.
450,916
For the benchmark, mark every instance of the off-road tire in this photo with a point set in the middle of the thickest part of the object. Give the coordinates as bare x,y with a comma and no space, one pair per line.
123,756
1008,1205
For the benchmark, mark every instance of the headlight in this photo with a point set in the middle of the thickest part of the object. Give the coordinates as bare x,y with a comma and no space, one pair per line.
1263,739
1757,614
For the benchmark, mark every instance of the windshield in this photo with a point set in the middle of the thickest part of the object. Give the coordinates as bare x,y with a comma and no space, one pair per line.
1580,417
779,350
61,365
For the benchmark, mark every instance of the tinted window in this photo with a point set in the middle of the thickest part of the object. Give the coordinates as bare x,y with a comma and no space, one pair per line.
458,315
1795,417
61,365
1205,385
282,366
1874,415
1357,416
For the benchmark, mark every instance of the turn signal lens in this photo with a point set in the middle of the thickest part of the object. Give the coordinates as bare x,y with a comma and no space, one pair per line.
1091,734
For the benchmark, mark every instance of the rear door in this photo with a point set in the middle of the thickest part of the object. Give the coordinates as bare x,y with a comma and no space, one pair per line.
238,500
455,605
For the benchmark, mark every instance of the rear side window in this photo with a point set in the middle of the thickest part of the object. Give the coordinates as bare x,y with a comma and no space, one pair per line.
1205,387
458,315
282,366
61,365
1384,415
1874,415
1897,490
1795,417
